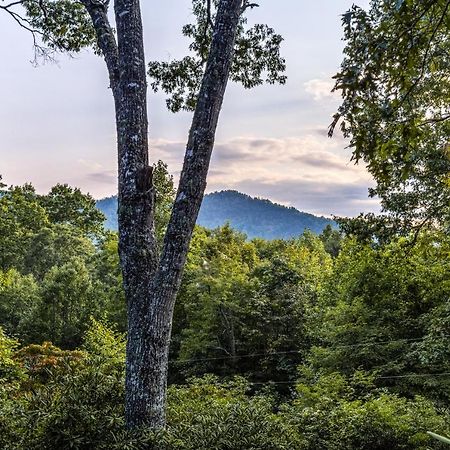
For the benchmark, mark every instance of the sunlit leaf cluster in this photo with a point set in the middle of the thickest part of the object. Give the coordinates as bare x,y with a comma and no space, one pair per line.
257,59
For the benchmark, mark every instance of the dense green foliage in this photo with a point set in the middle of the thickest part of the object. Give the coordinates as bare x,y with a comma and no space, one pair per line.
55,399
51,246
245,298
395,88
318,342
62,25
395,301
255,217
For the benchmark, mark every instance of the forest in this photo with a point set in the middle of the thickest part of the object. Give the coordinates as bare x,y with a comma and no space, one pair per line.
318,342
166,335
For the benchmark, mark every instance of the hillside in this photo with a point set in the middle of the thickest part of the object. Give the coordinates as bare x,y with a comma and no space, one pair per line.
108,206
256,217
253,216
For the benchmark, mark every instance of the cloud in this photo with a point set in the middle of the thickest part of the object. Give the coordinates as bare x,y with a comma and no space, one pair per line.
325,161
320,88
94,172
311,173
104,177
314,196
92,165
234,151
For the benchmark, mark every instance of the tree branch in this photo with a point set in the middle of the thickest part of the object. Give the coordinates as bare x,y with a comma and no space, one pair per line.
208,24
198,153
19,2
98,10
39,50
248,5
425,58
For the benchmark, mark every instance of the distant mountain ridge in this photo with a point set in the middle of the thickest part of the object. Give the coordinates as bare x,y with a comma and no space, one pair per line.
253,216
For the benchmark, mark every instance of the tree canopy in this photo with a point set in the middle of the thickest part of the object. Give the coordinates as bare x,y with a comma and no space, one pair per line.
257,58
396,110
291,347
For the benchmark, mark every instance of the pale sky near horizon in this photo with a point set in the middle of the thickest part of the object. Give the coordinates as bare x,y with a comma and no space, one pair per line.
57,120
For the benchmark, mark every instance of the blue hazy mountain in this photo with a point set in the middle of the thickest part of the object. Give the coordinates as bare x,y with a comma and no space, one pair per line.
253,216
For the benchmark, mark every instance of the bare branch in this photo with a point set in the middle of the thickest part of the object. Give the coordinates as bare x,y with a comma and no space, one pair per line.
209,24
11,4
40,51
248,5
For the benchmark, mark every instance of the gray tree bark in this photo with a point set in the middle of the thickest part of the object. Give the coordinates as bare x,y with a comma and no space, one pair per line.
152,281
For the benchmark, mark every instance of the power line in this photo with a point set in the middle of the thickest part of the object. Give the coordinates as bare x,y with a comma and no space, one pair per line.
287,352
415,375
411,375
371,344
249,355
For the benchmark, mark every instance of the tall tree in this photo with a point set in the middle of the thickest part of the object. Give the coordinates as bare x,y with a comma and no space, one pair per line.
152,278
395,87
67,205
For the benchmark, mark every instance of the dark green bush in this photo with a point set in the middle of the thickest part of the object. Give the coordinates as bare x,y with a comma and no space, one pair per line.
336,413
207,415
78,405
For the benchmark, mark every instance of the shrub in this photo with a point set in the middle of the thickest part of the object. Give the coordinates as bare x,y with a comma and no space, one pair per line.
336,413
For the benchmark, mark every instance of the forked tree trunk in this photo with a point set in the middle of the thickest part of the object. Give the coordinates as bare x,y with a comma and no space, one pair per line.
151,282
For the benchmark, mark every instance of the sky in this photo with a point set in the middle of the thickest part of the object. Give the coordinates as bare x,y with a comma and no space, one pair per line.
57,119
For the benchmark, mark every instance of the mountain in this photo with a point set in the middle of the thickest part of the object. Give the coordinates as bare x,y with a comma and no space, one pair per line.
253,216
257,217
108,206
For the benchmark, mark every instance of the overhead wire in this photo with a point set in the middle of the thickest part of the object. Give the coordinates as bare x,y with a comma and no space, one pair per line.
290,382
286,352
411,375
